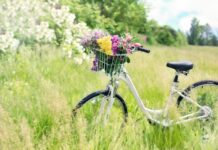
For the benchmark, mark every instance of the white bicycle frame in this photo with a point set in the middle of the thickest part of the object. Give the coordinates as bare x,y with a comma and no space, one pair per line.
152,114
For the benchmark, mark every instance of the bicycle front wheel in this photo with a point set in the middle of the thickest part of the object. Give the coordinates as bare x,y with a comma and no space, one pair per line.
93,109
205,93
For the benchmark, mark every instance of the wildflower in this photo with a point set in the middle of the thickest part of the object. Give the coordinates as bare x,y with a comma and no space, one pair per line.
78,60
137,44
95,64
69,38
128,37
115,44
105,44
128,50
124,43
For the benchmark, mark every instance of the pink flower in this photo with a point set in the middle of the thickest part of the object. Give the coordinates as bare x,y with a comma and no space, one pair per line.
128,37
128,51
137,44
124,43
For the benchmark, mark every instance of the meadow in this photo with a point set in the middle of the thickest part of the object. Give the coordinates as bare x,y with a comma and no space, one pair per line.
39,89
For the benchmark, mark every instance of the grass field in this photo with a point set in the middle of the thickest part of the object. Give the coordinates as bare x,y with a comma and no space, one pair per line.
38,93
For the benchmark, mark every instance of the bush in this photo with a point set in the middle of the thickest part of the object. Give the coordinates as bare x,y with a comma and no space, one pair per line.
168,36
34,22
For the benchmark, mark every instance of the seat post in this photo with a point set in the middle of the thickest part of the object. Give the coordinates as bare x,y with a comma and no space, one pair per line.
175,82
172,92
176,78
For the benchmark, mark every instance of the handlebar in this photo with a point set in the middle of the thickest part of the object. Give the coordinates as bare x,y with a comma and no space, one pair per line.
141,49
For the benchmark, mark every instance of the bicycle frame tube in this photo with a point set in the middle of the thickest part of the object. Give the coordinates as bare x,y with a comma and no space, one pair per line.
151,114
148,112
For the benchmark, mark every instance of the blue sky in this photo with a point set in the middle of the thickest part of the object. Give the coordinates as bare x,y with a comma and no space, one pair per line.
179,13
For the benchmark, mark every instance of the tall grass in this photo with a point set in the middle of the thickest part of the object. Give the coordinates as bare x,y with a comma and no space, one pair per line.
37,93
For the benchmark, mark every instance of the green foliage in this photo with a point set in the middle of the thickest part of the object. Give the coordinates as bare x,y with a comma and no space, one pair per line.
168,36
164,35
129,15
214,40
91,14
124,16
115,16
181,38
150,29
195,31
201,34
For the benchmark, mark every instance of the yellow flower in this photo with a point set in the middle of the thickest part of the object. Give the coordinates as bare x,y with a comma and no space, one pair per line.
105,44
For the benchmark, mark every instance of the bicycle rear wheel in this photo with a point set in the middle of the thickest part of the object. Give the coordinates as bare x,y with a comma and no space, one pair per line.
93,107
205,93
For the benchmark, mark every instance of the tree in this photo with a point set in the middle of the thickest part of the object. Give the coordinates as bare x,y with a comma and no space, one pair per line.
195,32
166,35
206,35
150,29
181,38
214,40
117,15
201,34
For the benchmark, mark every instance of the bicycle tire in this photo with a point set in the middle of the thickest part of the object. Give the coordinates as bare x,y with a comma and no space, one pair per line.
205,92
90,97
196,85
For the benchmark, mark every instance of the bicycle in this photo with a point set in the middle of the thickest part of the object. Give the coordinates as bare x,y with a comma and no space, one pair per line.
196,102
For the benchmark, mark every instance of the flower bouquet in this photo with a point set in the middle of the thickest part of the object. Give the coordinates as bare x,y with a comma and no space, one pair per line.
111,51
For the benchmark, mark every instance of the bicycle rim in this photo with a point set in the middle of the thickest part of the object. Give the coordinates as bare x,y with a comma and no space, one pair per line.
205,94
93,111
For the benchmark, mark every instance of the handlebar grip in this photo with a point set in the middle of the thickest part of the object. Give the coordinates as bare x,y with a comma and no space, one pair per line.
143,49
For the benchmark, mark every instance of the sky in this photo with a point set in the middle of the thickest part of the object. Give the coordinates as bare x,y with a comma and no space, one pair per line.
179,13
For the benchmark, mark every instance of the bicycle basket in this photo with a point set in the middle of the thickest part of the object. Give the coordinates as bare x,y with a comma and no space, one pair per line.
112,65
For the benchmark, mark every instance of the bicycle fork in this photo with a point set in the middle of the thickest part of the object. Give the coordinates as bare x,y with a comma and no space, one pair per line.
112,87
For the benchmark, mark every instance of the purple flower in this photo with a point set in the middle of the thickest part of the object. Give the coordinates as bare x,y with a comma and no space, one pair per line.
95,65
89,40
115,44
96,34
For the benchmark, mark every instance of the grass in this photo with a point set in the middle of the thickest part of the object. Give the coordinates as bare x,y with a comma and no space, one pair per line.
38,93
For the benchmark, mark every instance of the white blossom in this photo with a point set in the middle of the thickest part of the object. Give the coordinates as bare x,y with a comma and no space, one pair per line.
78,60
69,37
22,19
70,53
7,41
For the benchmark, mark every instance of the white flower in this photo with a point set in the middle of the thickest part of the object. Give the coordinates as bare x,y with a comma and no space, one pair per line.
70,53
69,37
70,19
14,44
65,9
78,60
85,57
7,41
23,17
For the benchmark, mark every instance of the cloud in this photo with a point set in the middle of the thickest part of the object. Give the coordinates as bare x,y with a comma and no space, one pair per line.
180,13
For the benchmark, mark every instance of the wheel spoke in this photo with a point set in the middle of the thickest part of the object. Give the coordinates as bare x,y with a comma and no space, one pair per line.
101,110
94,109
205,95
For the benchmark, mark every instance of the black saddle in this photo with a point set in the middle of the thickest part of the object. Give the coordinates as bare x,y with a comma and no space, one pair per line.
180,65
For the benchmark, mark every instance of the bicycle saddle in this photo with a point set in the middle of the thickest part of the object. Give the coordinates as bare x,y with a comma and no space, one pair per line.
180,65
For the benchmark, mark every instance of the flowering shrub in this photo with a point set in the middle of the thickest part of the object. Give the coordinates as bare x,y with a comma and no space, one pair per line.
110,51
40,22
22,18
7,41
